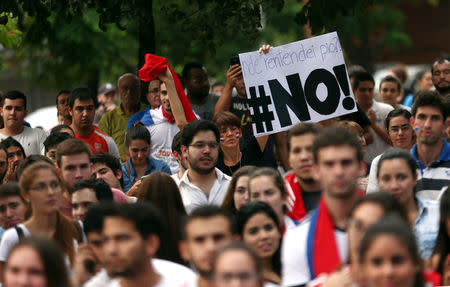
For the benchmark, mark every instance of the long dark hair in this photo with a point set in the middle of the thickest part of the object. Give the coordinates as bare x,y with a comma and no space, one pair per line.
162,191
228,201
442,246
52,259
251,209
395,226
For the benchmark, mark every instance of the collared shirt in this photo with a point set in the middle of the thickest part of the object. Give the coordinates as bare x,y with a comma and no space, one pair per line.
437,174
129,178
114,123
194,197
426,226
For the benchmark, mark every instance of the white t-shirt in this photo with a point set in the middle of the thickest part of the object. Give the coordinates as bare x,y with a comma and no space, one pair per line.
194,197
10,239
372,185
32,140
378,146
294,255
166,269
161,134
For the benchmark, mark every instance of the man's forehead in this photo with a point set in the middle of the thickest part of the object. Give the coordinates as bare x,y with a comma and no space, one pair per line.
128,79
99,165
208,225
428,110
9,198
118,225
441,65
329,153
14,103
81,158
86,102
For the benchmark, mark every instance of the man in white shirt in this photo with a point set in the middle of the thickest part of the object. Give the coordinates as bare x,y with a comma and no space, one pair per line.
338,165
13,110
131,238
202,183
363,85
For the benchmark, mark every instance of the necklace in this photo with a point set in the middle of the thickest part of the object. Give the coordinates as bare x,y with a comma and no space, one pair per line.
229,167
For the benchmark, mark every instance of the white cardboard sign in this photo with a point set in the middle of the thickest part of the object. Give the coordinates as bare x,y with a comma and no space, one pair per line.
304,81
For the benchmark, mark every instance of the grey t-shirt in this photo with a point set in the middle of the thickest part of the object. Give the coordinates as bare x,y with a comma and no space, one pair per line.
206,111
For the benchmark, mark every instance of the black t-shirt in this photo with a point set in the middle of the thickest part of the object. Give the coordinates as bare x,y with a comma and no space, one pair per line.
311,199
251,155
239,107
359,117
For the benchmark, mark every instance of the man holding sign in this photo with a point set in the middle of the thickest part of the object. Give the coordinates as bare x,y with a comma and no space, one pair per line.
304,81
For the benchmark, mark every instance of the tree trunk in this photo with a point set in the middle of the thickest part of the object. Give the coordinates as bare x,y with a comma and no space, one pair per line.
146,33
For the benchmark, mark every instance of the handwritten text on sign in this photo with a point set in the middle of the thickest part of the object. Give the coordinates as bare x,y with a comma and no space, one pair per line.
304,81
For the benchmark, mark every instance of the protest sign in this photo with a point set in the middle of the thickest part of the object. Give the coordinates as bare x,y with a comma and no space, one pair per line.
304,81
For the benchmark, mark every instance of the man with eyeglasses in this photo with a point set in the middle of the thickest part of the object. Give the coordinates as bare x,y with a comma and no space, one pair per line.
153,98
115,122
82,109
202,183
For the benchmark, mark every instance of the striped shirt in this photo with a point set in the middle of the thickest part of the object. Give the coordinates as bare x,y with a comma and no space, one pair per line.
437,174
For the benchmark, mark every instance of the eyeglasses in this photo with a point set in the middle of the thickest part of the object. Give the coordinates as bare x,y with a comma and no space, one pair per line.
202,145
42,186
243,277
154,91
403,128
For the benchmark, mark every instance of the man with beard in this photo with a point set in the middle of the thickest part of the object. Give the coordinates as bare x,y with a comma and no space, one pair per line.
303,190
319,244
207,229
202,183
131,238
432,151
440,75
196,82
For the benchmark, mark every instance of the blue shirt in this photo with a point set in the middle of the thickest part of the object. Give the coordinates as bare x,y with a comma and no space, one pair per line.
437,174
153,165
139,117
426,226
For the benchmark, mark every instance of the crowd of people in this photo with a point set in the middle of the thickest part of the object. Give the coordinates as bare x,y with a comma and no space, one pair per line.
176,190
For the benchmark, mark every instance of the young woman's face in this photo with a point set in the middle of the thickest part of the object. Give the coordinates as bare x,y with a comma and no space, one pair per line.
139,152
396,177
362,218
387,262
240,194
45,191
236,268
25,268
261,233
400,132
263,188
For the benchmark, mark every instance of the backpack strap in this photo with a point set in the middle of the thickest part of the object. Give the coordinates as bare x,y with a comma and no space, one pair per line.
20,233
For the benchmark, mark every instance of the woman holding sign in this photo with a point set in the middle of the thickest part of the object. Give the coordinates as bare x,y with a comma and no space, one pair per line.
231,157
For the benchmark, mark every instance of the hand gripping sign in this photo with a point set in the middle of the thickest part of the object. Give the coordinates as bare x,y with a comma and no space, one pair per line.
304,81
